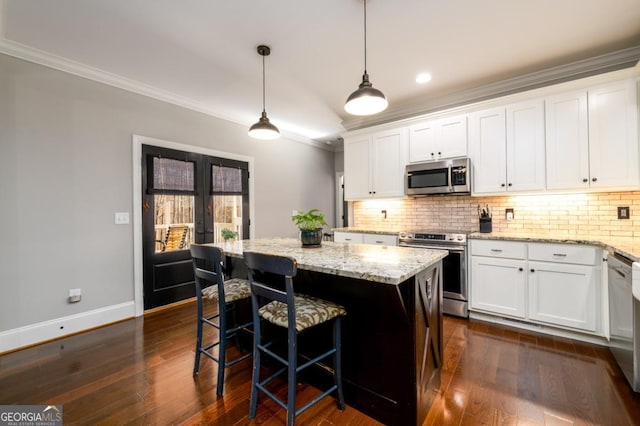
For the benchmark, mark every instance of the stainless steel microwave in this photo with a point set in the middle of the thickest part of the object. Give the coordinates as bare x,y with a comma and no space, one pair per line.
439,177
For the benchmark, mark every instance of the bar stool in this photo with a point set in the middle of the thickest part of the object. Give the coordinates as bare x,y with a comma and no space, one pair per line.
207,268
296,313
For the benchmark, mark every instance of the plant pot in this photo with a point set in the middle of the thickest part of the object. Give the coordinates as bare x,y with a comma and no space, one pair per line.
311,238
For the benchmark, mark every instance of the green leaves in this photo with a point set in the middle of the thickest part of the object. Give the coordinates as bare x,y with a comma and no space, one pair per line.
308,221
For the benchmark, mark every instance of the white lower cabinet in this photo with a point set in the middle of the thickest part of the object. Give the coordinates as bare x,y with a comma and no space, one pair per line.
562,294
380,239
365,238
552,284
498,285
348,237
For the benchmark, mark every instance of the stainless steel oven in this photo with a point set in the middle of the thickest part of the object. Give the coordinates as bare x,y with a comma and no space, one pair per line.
454,266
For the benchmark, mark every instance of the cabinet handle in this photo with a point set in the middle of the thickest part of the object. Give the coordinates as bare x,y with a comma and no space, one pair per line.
502,185
432,154
585,180
594,179
533,270
560,254
496,250
439,153
379,242
520,269
509,184
347,239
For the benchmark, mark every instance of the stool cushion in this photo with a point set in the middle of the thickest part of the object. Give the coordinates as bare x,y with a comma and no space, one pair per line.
234,289
310,311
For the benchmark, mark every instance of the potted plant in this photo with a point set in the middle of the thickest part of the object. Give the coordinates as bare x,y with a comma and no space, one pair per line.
228,234
310,225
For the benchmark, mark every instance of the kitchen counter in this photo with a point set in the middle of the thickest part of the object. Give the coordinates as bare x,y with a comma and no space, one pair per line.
392,344
626,246
365,231
382,264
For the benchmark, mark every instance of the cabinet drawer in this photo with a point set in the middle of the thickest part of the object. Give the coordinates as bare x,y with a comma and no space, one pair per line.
501,249
564,253
348,237
379,239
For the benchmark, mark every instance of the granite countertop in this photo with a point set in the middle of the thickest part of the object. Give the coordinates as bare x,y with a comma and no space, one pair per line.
383,264
366,231
626,246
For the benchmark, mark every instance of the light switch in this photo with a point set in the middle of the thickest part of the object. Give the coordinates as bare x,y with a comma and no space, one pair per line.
122,218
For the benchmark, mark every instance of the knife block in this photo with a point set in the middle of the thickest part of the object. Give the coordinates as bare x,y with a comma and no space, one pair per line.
485,224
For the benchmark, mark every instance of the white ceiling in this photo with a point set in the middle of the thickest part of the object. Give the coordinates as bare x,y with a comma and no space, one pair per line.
202,53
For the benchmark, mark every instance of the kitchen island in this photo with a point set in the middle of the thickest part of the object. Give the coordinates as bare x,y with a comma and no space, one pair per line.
392,334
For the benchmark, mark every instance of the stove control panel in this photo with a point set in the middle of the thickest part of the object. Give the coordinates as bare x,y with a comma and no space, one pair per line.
435,237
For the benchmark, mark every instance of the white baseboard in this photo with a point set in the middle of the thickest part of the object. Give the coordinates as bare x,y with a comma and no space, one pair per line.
40,332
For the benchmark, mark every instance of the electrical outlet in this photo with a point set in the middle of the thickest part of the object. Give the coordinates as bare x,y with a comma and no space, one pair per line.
623,212
122,218
75,294
509,214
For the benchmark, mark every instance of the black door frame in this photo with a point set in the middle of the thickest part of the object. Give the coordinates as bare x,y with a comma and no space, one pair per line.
138,141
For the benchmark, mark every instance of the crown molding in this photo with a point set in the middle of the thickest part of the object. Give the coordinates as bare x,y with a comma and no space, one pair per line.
30,54
614,61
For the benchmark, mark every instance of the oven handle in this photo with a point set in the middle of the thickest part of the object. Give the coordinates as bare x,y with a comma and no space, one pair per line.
450,248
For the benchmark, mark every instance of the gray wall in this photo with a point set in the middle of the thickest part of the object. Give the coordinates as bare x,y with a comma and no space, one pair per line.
66,167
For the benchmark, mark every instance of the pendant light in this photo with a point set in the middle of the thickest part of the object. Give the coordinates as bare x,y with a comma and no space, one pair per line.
263,129
366,100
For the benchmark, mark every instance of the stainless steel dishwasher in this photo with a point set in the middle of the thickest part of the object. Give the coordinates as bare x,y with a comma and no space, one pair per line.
624,319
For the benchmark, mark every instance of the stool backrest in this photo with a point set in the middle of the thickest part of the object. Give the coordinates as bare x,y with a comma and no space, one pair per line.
283,266
207,267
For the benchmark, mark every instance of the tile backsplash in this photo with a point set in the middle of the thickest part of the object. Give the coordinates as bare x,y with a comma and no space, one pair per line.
567,214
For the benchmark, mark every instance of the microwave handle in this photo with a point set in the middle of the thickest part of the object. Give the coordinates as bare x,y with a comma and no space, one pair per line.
450,178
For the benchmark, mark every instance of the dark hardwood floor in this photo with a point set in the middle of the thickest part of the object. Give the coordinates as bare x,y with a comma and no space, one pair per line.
139,372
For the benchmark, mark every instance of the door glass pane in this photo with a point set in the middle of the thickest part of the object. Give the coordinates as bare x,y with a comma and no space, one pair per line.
174,217
227,217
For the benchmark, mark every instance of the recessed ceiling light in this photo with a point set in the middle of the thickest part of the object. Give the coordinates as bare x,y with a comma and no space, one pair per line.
425,77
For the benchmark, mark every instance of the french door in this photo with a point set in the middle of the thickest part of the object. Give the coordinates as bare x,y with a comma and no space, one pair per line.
187,198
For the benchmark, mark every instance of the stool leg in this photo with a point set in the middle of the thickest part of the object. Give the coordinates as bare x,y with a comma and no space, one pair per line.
291,375
256,368
222,346
337,360
196,364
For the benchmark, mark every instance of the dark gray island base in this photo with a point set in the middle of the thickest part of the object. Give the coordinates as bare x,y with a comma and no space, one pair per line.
392,334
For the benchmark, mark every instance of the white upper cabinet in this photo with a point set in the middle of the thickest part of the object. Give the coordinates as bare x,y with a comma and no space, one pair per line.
374,165
613,135
438,139
488,140
567,141
525,147
508,148
592,138
357,179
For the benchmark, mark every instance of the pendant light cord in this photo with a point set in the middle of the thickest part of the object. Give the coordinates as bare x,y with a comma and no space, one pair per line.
263,86
365,36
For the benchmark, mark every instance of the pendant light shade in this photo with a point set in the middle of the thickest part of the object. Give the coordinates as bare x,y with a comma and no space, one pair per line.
366,100
263,129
